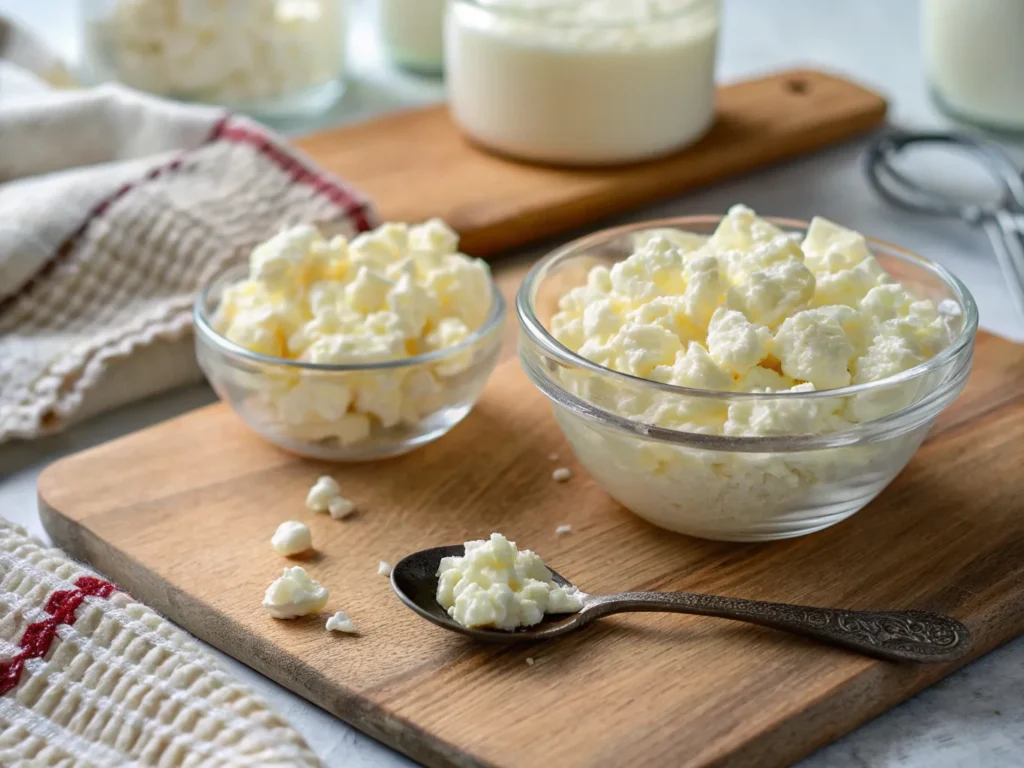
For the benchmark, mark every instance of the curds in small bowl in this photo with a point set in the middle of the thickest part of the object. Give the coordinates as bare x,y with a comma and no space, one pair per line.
352,351
684,390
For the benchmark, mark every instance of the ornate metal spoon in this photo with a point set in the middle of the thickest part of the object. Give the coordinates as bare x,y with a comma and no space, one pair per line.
894,635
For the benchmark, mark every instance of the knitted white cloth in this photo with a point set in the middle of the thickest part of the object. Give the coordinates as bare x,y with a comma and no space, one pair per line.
115,208
89,677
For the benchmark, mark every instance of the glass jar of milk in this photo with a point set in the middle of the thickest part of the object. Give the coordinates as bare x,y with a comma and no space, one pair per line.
413,33
270,57
582,82
974,55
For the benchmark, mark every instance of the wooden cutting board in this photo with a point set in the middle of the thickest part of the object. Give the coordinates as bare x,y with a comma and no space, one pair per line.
181,515
416,164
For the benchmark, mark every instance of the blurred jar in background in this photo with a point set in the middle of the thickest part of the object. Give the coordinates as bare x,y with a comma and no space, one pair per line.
582,82
974,56
413,33
269,57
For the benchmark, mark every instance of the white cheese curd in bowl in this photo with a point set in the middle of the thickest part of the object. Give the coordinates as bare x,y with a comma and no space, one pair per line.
266,56
496,585
582,82
750,379
352,350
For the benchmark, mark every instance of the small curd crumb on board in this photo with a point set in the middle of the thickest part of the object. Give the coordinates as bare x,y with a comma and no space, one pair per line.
383,568
323,491
341,508
562,530
340,622
561,475
552,457
325,496
291,538
294,594
529,661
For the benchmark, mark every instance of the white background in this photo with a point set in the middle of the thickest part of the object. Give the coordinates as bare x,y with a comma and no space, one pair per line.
973,718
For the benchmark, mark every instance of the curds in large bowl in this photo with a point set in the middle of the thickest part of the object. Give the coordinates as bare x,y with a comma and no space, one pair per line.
742,378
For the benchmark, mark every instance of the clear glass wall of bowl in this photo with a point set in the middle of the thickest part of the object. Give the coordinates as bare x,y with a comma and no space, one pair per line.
268,57
974,57
736,488
335,412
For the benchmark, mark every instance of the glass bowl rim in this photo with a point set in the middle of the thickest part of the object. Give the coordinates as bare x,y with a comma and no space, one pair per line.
687,8
536,331
223,345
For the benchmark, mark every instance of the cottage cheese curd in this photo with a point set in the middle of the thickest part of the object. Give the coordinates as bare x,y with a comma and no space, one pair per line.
582,81
240,52
291,538
388,295
496,585
294,594
749,309
340,622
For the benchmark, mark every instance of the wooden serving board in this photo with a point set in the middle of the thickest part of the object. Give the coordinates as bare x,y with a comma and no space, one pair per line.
416,164
181,515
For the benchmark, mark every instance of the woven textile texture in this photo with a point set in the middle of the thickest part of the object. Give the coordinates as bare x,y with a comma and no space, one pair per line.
90,677
115,208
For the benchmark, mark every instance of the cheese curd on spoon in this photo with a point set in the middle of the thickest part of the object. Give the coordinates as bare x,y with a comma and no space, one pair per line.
496,585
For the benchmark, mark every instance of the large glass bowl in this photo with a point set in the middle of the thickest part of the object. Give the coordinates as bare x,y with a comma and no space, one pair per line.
334,411
733,487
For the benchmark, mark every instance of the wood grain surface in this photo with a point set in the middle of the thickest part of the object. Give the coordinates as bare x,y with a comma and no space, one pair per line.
416,164
181,515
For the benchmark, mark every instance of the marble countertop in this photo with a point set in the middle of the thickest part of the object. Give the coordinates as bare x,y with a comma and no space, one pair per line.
974,717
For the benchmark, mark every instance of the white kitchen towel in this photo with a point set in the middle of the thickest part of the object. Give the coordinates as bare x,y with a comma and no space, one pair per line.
115,208
90,677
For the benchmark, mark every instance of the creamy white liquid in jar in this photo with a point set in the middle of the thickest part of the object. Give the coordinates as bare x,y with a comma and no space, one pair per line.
974,54
413,33
582,82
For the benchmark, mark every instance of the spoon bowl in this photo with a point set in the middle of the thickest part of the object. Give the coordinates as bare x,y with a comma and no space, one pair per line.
918,636
414,579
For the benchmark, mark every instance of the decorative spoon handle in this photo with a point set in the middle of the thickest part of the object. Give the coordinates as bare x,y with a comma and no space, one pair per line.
894,635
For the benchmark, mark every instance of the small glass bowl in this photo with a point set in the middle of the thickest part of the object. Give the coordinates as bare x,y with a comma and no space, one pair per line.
333,411
270,58
736,488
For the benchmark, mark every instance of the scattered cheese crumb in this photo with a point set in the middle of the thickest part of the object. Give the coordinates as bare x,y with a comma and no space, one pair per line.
294,594
561,475
340,622
383,569
341,508
563,529
323,491
553,456
291,538
529,661
325,496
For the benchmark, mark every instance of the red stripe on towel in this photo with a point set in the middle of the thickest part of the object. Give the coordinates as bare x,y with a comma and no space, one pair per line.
35,642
